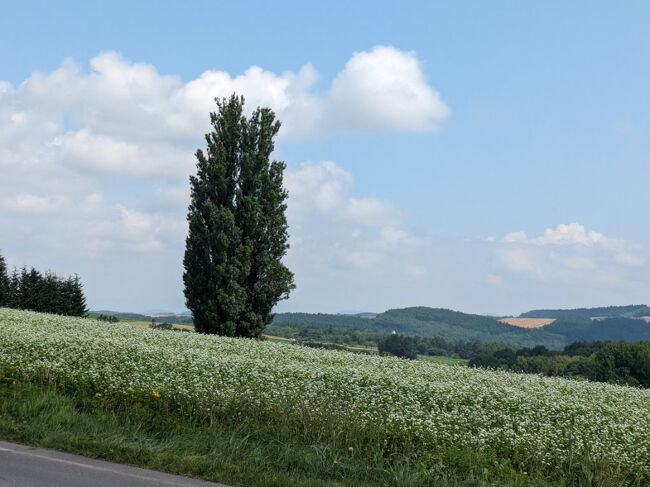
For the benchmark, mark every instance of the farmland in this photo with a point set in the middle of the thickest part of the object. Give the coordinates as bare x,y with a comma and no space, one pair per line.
404,412
527,322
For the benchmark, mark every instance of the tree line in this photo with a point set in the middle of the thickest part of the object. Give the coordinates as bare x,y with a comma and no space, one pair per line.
621,362
305,333
32,290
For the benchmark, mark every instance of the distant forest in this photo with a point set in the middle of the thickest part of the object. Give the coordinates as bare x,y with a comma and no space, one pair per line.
615,362
454,326
631,311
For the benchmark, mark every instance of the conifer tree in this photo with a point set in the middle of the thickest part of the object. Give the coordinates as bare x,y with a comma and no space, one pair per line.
237,226
5,284
49,293
14,283
77,302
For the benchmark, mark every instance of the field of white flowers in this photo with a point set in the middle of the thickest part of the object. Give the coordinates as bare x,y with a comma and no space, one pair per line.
538,422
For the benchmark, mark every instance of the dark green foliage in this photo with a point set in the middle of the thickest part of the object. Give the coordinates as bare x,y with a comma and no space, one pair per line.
308,333
616,362
633,310
455,327
583,348
623,363
183,319
49,293
312,335
107,318
323,320
237,226
452,326
575,328
398,345
5,284
161,326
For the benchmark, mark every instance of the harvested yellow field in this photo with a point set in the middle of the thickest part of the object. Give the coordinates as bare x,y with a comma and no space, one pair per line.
527,322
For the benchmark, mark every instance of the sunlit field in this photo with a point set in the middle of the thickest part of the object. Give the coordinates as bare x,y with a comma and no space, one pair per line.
404,409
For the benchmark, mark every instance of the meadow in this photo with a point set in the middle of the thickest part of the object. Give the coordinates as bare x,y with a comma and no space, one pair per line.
365,408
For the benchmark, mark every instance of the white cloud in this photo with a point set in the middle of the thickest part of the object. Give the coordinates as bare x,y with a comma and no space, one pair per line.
317,187
570,258
29,203
381,90
571,234
324,188
108,148
384,89
85,150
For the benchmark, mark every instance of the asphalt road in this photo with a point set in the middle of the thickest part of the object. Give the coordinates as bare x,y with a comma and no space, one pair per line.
24,466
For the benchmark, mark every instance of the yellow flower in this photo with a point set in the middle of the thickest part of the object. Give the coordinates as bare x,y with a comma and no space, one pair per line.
336,462
155,393
98,394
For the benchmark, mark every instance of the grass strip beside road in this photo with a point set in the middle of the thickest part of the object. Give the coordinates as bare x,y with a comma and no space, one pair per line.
40,416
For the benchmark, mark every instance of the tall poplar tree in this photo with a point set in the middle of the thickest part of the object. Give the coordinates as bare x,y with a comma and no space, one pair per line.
238,231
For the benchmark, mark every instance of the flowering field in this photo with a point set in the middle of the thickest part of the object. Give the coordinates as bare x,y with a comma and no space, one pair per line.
537,423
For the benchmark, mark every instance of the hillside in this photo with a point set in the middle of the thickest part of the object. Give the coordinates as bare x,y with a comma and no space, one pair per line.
450,325
160,318
455,326
631,311
577,328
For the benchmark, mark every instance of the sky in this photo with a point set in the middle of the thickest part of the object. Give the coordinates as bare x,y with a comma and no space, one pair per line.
488,157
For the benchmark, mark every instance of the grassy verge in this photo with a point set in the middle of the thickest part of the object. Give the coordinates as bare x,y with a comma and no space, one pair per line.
226,452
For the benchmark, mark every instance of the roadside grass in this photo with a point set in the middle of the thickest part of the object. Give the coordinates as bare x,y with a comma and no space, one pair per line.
226,452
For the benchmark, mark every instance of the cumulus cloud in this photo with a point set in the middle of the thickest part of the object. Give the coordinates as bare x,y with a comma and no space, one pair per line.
380,90
569,255
384,89
108,148
332,228
324,188
565,234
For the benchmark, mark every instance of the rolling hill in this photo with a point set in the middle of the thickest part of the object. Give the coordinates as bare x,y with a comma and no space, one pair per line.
631,311
455,326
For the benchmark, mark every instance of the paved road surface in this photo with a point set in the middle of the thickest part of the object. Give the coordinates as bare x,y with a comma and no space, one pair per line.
24,466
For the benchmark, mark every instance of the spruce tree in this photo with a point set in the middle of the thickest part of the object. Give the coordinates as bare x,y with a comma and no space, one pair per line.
77,305
15,296
237,226
5,284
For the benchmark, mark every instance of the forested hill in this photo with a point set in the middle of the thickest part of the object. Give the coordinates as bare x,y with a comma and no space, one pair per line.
455,326
631,311
428,322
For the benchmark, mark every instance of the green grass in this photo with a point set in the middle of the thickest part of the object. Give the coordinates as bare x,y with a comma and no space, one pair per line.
40,416
249,412
443,359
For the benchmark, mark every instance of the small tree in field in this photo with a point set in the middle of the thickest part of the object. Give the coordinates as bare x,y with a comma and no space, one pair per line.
237,226
398,345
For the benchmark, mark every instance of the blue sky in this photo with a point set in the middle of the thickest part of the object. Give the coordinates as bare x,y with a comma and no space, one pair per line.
421,141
